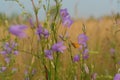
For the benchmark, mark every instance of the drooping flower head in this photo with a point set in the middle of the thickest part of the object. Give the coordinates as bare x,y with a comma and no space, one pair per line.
64,13
18,30
48,54
117,76
67,22
82,39
85,54
42,32
59,47
66,19
46,33
39,30
76,58
16,52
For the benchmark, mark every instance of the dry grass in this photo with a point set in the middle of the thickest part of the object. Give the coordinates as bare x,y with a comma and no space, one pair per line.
99,32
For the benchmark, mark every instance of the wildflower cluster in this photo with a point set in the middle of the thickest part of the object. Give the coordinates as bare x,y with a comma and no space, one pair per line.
9,48
82,40
66,19
40,31
45,52
82,45
8,53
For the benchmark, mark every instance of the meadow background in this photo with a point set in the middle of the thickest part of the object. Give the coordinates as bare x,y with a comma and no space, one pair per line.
102,22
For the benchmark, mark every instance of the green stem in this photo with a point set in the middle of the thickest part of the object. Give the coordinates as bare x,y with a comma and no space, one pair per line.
56,66
36,13
70,51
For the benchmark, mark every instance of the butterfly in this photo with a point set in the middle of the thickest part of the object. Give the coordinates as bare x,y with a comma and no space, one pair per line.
75,45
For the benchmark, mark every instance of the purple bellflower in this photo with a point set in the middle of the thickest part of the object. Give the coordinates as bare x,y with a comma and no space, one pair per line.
48,54
76,58
42,32
18,30
66,20
64,13
82,39
117,77
85,54
59,47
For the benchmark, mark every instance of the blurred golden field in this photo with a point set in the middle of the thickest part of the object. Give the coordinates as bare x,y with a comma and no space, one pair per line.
101,33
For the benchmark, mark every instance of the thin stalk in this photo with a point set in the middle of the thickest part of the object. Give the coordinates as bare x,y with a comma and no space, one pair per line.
36,13
70,51
56,65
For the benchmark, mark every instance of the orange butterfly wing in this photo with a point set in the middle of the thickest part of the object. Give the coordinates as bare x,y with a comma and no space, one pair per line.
75,45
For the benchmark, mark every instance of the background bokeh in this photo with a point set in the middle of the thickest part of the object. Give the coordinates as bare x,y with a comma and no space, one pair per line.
77,8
